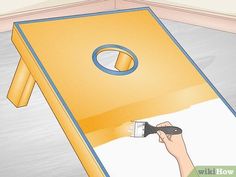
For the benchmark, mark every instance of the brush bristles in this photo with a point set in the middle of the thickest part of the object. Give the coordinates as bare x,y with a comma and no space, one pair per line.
137,129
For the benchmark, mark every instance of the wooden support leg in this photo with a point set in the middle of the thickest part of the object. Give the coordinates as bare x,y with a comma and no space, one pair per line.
21,86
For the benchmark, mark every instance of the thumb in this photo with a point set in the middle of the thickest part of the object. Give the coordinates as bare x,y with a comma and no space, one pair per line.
163,136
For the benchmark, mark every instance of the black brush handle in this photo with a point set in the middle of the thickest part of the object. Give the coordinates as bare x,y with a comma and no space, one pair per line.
171,130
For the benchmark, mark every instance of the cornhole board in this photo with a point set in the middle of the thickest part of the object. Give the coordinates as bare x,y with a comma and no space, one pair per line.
154,74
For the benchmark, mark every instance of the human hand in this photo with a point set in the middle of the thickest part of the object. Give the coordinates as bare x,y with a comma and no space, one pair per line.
176,147
174,143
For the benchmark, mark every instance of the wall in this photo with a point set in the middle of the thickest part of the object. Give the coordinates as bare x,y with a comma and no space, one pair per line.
47,9
8,7
215,6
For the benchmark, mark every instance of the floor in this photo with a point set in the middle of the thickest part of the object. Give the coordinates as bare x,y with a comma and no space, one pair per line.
31,140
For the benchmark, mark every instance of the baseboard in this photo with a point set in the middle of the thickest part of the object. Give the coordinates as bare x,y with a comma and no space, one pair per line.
86,6
191,16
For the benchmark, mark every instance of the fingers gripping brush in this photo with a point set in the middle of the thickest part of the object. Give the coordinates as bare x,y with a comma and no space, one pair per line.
142,129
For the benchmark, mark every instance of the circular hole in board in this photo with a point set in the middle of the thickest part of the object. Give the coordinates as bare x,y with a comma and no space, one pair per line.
115,59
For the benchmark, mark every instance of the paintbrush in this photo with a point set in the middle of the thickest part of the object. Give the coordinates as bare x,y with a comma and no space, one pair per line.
140,129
